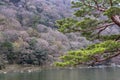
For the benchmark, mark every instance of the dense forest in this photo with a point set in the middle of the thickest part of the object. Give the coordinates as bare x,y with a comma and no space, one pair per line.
28,35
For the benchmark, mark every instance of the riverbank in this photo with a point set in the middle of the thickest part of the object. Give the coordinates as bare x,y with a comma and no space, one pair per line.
21,68
31,68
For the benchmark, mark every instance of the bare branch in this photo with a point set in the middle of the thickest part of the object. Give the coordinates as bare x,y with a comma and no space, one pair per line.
101,31
104,27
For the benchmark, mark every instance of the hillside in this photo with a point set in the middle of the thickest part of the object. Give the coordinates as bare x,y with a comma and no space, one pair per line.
28,35
47,11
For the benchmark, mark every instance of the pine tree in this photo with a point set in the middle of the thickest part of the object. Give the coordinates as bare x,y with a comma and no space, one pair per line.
87,22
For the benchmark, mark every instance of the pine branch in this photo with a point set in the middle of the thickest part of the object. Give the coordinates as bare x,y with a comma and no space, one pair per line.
103,27
96,59
109,57
93,6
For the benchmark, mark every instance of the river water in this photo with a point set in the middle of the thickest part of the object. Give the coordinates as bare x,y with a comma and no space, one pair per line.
66,74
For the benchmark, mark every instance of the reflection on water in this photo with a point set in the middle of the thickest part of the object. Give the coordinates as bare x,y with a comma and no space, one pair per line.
67,74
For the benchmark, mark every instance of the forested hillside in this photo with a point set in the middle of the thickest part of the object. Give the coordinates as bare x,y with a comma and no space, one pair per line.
28,32
47,11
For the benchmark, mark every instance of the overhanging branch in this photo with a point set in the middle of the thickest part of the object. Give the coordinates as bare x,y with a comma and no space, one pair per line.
97,60
100,28
110,57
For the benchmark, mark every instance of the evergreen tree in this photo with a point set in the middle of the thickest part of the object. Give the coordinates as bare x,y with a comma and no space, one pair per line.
89,24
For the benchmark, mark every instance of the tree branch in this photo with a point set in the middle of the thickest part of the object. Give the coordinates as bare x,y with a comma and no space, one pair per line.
103,27
96,3
93,6
117,53
96,59
111,3
101,31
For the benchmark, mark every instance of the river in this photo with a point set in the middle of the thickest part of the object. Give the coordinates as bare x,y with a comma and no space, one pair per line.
109,73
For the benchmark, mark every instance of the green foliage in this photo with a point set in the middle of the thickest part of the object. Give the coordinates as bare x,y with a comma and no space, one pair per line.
81,13
109,37
89,24
7,48
35,21
41,55
70,25
76,4
112,11
84,23
87,54
32,42
65,25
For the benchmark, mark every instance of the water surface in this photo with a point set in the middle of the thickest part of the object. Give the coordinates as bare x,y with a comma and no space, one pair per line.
66,74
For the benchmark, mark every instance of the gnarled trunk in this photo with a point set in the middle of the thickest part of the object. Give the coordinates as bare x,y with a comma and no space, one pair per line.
116,19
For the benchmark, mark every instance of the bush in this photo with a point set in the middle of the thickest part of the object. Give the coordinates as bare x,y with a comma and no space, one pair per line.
7,49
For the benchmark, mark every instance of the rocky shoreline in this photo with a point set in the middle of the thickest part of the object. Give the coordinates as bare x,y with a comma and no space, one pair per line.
15,68
20,69
31,68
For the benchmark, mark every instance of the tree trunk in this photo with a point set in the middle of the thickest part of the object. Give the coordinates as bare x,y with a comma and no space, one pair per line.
116,19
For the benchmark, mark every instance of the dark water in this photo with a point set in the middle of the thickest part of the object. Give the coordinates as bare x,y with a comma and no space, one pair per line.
67,74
